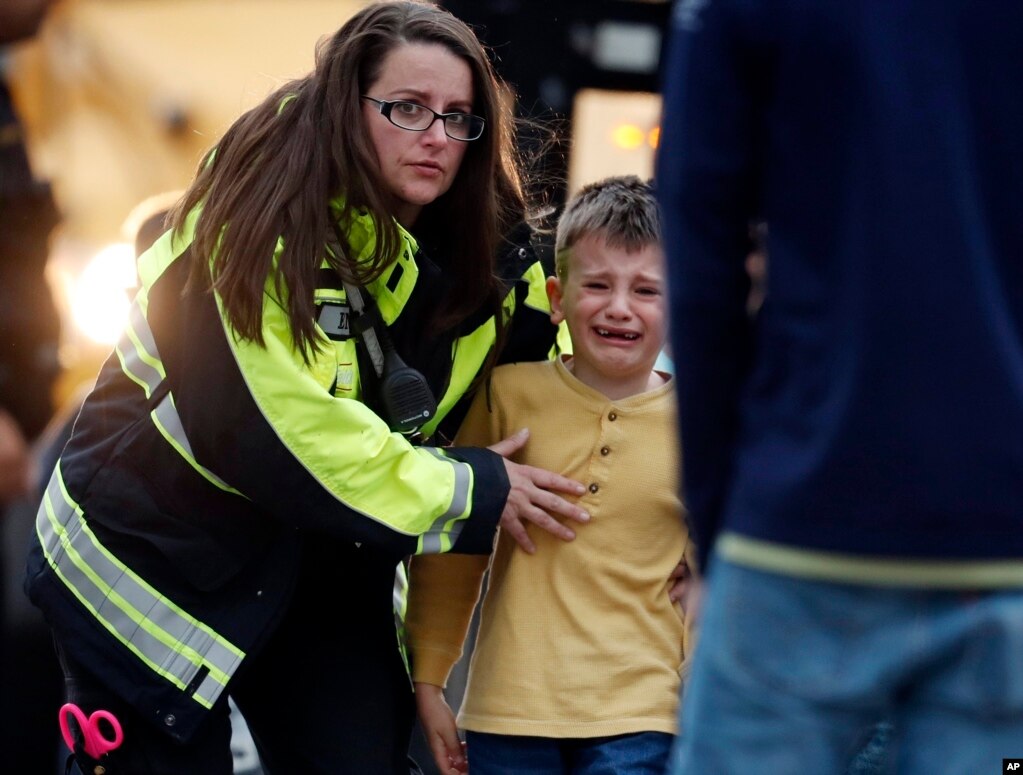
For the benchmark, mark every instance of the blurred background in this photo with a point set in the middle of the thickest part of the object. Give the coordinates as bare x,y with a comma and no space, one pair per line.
120,98
117,100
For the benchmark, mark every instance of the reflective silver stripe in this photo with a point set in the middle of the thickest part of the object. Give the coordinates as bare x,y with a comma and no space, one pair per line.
135,366
431,540
140,326
399,593
168,640
400,603
168,422
208,690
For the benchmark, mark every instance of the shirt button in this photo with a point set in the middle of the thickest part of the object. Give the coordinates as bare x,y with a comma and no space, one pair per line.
522,252
170,719
605,450
612,416
594,487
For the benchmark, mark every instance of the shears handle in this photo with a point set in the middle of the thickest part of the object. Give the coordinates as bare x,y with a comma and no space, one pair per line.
96,744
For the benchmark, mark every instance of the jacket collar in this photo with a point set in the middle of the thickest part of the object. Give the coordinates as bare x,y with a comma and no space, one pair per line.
394,287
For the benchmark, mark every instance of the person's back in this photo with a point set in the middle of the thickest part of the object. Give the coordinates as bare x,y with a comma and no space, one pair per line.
855,454
887,384
579,651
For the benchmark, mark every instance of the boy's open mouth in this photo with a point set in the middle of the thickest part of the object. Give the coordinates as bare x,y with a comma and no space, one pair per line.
607,334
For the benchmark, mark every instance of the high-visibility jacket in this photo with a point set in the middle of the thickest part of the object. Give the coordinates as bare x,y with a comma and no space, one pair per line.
170,531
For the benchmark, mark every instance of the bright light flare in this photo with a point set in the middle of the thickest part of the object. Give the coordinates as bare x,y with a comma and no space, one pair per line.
628,136
100,297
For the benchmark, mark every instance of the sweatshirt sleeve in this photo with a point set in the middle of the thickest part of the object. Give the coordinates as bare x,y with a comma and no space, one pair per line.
443,592
444,589
707,178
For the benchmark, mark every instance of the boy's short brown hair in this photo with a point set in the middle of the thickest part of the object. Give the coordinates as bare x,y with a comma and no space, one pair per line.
622,209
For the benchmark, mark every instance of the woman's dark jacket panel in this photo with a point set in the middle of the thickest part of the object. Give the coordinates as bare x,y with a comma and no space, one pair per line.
171,530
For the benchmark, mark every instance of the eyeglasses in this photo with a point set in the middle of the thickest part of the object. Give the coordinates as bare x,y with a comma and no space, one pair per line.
419,118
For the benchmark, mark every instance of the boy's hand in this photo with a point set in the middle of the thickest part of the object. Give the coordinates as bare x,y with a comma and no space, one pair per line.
532,496
438,724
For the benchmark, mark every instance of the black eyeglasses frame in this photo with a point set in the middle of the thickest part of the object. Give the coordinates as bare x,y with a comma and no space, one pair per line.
386,106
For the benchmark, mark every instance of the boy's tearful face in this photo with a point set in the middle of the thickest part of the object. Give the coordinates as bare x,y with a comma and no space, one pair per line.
613,303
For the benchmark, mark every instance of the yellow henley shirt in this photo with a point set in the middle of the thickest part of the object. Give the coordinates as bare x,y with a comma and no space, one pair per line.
580,639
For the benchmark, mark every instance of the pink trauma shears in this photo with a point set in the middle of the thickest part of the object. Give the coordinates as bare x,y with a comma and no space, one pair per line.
96,742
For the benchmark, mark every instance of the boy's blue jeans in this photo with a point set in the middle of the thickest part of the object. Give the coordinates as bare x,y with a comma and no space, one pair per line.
644,753
790,674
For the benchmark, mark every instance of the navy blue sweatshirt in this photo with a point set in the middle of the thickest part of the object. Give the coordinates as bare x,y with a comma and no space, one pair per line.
875,405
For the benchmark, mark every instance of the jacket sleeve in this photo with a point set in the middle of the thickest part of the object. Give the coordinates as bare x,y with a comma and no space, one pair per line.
707,178
263,420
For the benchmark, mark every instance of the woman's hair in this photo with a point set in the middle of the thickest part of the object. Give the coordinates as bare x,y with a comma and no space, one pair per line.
280,165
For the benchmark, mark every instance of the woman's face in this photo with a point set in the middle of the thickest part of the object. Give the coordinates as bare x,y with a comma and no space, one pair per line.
418,167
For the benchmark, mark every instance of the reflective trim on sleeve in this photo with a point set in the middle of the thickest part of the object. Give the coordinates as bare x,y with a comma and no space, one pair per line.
135,369
137,353
448,526
167,639
140,362
167,420
141,336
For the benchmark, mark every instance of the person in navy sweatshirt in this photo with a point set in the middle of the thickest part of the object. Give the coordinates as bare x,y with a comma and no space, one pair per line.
854,453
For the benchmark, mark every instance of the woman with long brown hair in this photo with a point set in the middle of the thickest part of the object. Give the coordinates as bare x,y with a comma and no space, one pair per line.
264,446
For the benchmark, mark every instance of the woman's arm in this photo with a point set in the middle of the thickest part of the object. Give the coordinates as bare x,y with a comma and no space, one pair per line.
262,421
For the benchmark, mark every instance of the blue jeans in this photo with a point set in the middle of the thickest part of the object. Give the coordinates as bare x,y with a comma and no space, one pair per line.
790,675
643,753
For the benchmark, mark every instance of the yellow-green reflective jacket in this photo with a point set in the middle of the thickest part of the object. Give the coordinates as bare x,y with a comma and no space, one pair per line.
170,532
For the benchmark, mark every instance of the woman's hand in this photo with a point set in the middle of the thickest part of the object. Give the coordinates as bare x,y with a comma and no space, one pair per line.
438,724
532,496
692,601
680,578
686,590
